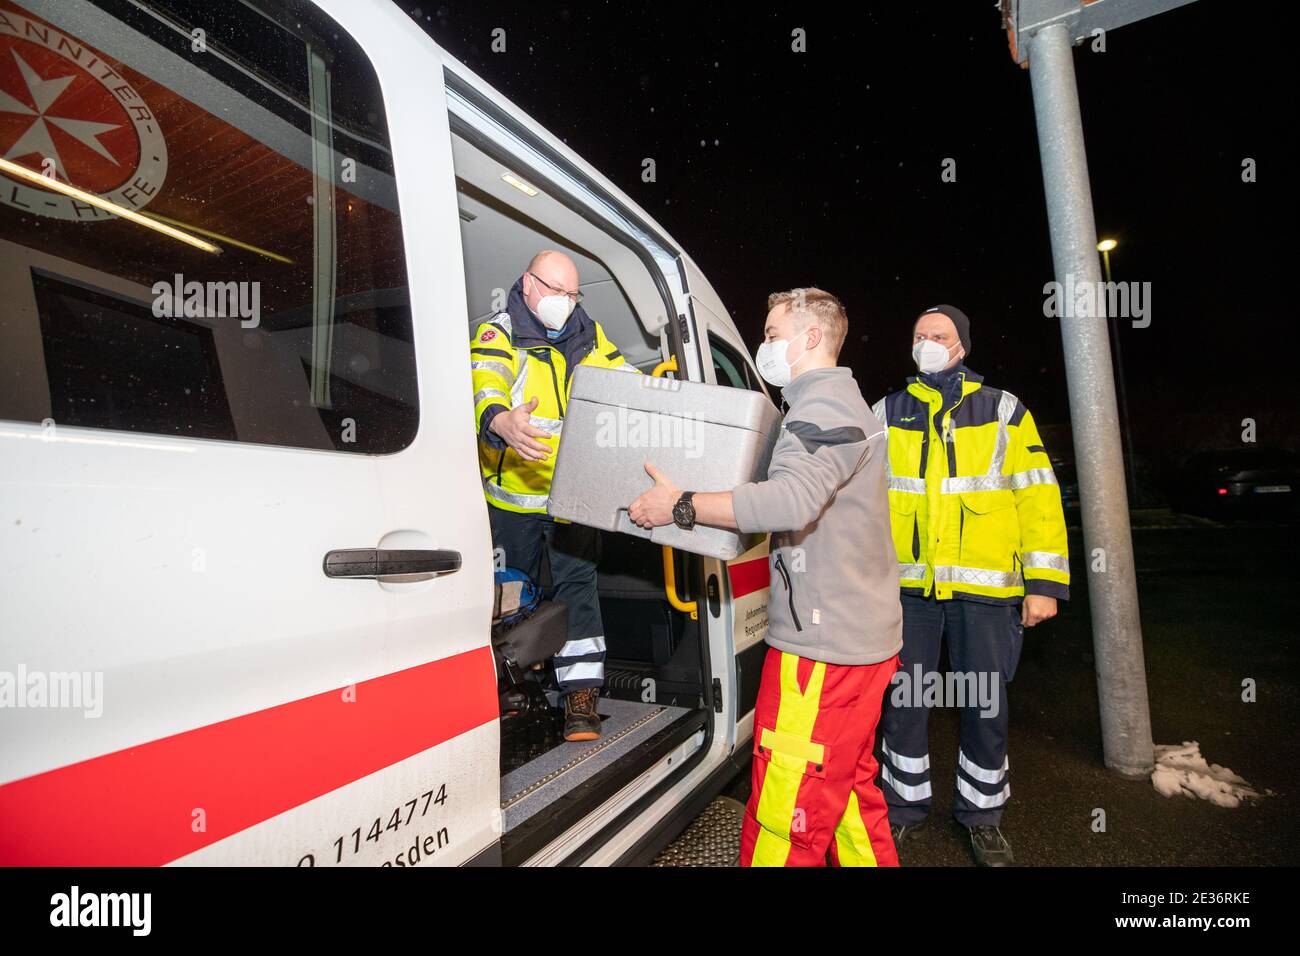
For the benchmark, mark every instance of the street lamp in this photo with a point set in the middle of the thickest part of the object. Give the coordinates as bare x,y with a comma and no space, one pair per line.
1104,247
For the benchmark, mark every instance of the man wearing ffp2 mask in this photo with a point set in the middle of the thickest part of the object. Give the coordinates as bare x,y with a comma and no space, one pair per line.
979,534
523,362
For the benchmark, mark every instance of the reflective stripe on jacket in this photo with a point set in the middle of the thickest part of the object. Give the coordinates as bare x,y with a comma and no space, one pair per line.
512,362
975,509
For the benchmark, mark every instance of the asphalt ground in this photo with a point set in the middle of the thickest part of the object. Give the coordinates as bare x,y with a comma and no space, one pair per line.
1219,604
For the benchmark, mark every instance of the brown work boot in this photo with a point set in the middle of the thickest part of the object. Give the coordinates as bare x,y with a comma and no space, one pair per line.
581,722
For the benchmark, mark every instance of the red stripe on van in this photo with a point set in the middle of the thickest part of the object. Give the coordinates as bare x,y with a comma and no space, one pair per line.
749,576
134,807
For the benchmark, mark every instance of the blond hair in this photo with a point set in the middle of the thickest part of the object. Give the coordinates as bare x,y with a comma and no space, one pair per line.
813,306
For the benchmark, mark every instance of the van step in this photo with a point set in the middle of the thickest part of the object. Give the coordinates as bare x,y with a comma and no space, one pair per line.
713,839
540,782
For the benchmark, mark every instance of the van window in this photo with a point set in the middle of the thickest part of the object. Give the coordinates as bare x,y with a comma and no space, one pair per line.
730,369
199,230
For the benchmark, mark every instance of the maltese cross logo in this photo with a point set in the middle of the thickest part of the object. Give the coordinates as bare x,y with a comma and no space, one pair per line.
36,139
69,114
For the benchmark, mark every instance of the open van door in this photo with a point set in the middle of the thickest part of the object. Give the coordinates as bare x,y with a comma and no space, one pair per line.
245,569
726,361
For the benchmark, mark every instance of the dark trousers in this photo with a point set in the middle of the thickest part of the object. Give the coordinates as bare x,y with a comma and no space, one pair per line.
984,642
573,549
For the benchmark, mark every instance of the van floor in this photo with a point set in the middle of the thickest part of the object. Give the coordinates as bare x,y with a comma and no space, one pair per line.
539,767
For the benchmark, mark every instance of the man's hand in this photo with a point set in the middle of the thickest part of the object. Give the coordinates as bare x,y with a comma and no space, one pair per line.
655,507
514,427
1036,609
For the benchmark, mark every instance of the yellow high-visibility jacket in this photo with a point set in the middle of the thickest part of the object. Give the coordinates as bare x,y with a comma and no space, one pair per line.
512,363
974,505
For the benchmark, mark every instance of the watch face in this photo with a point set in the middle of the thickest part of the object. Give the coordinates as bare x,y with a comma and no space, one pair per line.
684,514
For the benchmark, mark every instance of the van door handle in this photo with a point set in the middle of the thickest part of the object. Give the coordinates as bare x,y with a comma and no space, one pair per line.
377,562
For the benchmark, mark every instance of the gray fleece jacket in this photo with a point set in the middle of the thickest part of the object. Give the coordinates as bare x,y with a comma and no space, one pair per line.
834,584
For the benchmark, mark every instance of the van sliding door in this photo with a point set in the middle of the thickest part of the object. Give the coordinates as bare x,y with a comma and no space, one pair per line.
230,398
739,613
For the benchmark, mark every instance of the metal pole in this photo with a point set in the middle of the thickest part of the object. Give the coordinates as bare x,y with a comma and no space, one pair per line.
1108,543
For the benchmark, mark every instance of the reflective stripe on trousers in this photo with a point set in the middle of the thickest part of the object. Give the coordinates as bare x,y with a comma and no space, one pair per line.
582,659
571,549
977,797
913,794
983,642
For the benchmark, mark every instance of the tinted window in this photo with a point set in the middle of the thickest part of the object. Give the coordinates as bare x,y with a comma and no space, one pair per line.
99,361
730,369
260,294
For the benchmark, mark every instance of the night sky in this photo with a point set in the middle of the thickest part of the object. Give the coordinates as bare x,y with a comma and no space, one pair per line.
777,169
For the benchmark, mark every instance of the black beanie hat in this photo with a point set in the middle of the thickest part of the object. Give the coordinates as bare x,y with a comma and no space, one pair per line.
959,319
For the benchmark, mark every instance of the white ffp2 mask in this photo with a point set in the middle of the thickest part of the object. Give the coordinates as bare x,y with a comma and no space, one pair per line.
554,310
930,356
772,365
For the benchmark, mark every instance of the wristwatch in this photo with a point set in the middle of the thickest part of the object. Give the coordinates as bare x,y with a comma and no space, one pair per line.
684,511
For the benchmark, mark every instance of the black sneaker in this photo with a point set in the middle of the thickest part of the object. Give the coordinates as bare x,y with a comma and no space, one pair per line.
581,722
990,847
904,831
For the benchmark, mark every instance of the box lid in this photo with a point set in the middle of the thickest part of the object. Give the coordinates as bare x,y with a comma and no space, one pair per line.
717,404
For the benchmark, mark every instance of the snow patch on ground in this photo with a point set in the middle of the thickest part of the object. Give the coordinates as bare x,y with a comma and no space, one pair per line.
1182,769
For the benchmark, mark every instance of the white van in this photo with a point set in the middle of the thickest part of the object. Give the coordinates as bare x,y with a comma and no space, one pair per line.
242,247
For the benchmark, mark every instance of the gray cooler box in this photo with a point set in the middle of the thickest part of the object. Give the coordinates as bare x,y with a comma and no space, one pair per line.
703,437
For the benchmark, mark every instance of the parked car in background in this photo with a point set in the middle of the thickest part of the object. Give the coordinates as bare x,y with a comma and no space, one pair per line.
1238,483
